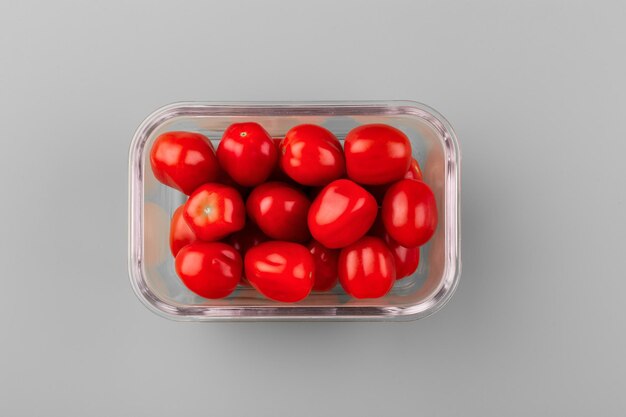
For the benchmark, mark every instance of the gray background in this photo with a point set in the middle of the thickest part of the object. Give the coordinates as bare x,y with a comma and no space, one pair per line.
537,94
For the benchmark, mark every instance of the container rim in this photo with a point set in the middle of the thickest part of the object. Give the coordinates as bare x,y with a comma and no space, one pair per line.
452,232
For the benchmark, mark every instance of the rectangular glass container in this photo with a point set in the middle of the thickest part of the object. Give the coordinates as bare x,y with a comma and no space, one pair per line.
151,265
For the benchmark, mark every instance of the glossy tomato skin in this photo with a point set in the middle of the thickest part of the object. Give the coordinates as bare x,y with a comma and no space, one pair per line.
341,214
366,268
281,271
247,153
377,154
280,211
312,155
409,213
181,234
326,273
214,211
184,160
209,269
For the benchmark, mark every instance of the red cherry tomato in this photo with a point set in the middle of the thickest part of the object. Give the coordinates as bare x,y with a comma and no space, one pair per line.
183,160
325,276
312,155
406,260
209,269
247,153
243,240
180,233
214,211
377,154
280,211
409,213
341,214
414,172
366,268
378,191
281,271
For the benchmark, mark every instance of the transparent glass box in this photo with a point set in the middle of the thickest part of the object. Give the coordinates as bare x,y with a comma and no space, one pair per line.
151,205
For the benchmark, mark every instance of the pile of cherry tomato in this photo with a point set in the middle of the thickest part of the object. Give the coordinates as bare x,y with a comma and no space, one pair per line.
296,214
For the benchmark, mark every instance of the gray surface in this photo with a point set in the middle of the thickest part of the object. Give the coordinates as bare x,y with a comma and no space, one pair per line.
537,96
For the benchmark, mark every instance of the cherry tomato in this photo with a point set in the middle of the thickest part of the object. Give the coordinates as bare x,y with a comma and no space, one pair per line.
184,160
312,155
247,153
243,240
341,214
378,191
209,269
406,260
280,211
281,271
409,213
325,276
377,154
180,233
414,172
214,211
366,268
